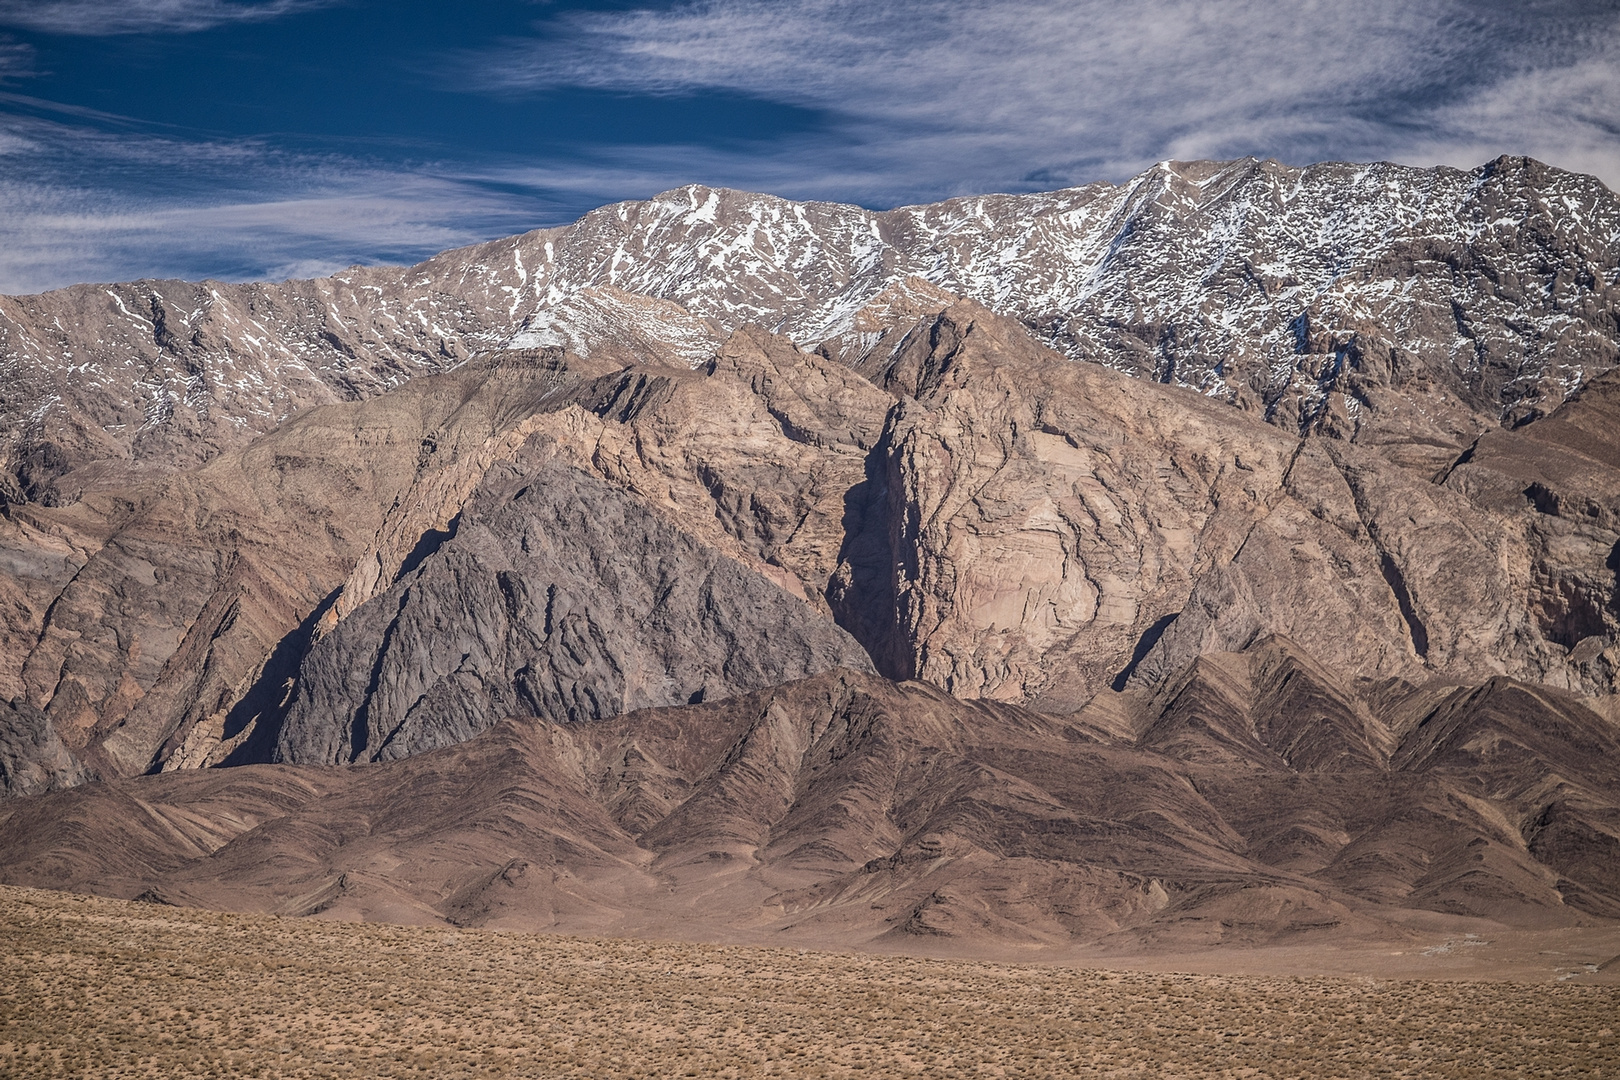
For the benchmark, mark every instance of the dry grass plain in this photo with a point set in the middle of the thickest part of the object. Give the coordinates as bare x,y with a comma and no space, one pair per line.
104,988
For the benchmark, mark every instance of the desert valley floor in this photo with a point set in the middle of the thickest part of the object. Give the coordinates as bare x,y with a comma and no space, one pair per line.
96,987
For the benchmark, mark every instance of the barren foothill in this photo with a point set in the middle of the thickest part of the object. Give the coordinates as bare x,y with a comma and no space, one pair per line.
91,986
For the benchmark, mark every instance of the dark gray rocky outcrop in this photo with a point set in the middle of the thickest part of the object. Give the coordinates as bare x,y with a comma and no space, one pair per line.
32,756
557,596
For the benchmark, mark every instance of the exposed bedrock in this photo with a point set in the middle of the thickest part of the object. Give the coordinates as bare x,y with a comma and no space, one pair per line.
970,508
557,595
1039,532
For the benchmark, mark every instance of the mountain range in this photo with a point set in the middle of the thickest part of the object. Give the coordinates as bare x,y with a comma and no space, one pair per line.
1223,556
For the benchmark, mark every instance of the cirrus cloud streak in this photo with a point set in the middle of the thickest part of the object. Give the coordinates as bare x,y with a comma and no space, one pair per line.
104,18
938,97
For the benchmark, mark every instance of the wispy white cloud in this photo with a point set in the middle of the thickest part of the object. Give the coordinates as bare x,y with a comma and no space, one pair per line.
57,237
929,96
101,18
87,204
1568,115
16,59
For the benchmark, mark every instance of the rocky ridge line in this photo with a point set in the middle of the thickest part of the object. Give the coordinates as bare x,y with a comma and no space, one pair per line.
1407,308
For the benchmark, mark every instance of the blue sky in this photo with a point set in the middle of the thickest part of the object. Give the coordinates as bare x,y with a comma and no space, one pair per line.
274,138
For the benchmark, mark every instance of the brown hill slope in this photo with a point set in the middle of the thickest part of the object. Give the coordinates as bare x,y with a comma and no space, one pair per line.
133,616
848,809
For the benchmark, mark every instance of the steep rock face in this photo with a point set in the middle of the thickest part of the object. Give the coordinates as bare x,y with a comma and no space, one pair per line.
1410,309
1506,565
33,757
1373,571
162,621
719,482
1031,522
1037,532
557,596
160,627
1558,480
756,453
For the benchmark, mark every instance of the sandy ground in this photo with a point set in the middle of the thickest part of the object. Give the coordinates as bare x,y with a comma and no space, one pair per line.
95,987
